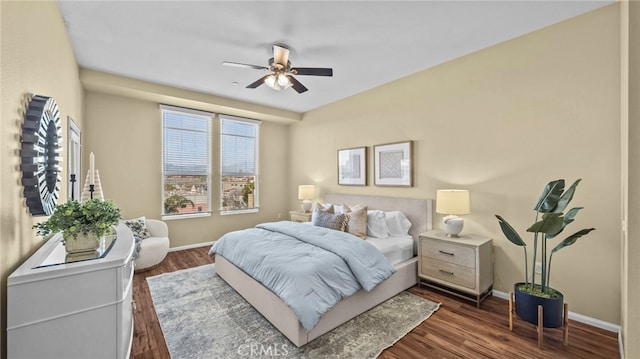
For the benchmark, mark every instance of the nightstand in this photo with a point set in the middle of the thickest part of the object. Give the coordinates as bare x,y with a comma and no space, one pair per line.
459,266
298,216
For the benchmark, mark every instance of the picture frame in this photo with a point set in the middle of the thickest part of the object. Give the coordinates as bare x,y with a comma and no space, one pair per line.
393,164
352,166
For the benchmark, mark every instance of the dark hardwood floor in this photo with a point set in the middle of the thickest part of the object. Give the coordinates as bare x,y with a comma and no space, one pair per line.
456,330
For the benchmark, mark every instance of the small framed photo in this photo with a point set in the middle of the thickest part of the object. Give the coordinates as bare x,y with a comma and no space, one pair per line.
393,164
352,166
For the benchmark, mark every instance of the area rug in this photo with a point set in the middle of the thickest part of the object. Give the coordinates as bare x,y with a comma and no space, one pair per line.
201,316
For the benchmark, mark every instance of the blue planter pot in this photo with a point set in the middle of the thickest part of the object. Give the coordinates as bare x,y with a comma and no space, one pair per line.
527,308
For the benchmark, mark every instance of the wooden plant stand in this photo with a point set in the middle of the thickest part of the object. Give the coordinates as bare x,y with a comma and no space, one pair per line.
540,326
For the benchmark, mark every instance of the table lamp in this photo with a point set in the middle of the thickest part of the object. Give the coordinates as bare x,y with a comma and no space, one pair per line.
306,193
452,202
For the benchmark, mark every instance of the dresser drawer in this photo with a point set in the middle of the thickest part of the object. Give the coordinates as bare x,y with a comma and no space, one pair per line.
448,272
448,252
125,324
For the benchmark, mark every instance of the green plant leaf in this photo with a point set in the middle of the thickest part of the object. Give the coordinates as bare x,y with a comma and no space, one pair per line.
572,239
566,197
566,220
550,196
171,204
509,232
550,223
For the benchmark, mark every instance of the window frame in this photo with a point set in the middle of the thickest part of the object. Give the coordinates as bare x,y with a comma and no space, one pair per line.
209,118
256,173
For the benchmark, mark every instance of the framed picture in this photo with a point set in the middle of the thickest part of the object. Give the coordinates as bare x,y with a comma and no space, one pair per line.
352,166
393,164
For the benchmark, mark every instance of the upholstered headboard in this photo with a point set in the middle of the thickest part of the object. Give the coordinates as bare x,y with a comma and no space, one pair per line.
418,211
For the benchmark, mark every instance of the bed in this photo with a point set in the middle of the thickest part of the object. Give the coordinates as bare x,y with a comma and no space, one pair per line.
418,211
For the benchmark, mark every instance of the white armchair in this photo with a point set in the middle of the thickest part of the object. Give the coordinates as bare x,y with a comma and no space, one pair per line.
155,248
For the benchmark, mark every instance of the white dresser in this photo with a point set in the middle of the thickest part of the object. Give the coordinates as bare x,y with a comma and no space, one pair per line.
82,309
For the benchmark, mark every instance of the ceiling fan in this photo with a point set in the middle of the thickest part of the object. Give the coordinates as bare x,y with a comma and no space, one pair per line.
281,72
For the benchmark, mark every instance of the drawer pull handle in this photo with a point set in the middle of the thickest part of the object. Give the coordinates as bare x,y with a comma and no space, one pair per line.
444,271
447,253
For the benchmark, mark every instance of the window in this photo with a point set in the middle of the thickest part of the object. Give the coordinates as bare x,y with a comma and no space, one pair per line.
238,165
186,165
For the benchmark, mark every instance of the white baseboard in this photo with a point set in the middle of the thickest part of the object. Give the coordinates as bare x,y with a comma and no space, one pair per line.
620,344
575,316
190,246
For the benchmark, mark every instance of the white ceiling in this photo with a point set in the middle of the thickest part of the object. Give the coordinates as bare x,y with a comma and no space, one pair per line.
183,43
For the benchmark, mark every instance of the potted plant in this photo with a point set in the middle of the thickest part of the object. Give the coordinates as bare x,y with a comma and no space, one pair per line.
528,294
82,224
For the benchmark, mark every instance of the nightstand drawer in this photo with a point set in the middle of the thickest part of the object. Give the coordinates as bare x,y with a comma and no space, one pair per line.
449,272
448,252
300,216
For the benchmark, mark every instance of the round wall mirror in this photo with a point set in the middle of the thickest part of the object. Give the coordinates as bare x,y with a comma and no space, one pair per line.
40,155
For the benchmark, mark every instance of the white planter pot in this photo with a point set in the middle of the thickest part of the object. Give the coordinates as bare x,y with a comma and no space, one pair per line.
82,243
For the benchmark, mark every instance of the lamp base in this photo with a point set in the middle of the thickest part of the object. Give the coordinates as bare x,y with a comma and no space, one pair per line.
306,205
453,225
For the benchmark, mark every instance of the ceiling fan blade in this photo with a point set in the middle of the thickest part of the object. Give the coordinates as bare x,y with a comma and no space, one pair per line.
237,64
312,71
280,54
258,82
296,84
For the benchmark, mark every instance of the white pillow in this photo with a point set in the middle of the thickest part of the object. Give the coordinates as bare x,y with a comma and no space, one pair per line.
376,224
397,223
327,207
343,208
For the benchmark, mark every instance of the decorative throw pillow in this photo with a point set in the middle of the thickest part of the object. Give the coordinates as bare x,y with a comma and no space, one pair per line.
139,227
397,223
377,224
321,208
357,220
330,220
340,208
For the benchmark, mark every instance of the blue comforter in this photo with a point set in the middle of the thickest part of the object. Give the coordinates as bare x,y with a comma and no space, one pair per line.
310,268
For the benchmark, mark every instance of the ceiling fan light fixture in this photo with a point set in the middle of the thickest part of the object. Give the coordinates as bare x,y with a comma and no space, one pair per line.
272,82
280,73
283,80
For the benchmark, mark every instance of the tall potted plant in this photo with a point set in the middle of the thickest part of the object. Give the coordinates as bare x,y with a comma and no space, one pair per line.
82,224
528,294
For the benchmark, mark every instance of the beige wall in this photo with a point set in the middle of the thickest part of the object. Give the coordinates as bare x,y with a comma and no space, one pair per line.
124,134
502,122
36,57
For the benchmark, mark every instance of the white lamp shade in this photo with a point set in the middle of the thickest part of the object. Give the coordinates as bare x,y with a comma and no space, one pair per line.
452,201
306,192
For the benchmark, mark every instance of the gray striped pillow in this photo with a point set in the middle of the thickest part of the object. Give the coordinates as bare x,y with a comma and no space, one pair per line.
330,220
